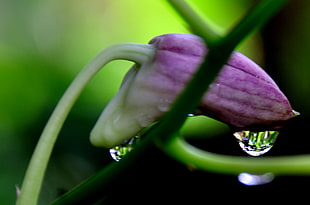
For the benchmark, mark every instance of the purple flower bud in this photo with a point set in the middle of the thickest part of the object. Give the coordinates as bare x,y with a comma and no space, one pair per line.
242,95
245,96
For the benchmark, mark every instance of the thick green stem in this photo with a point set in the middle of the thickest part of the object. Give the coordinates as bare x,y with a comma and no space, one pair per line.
30,190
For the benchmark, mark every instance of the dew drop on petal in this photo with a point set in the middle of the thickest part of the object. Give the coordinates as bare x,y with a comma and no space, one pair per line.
256,143
119,151
164,104
145,119
255,179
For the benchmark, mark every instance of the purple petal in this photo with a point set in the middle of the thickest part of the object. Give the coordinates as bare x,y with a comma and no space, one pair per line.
243,95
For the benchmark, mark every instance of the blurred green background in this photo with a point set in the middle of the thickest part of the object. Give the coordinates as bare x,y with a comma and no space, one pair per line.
44,44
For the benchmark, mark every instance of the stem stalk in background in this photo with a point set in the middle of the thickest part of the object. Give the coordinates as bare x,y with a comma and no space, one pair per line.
199,26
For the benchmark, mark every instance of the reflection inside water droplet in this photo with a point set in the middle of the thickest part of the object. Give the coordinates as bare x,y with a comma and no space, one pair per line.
255,179
256,143
119,151
191,115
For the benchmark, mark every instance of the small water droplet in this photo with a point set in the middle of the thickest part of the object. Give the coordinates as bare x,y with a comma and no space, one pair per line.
116,119
17,189
119,151
145,119
256,143
164,104
255,179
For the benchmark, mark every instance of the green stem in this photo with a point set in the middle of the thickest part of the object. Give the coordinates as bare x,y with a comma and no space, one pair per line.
254,19
194,157
30,190
196,23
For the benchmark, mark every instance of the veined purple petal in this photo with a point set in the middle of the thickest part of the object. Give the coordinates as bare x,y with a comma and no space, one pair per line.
244,100
242,95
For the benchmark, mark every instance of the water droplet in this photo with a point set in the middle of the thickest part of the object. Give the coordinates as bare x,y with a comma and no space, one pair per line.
17,189
119,151
164,104
256,143
116,119
255,179
145,119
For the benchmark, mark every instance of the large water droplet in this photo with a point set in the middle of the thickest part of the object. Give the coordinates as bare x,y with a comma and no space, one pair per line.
256,143
119,151
255,179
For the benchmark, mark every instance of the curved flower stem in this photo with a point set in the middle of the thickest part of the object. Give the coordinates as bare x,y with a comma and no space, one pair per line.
30,190
194,157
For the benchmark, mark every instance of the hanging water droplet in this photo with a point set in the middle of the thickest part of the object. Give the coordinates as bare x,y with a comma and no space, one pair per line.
255,179
256,143
164,104
17,189
119,151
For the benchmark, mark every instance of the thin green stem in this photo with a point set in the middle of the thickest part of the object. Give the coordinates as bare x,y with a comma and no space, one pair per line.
197,24
30,190
194,157
255,18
